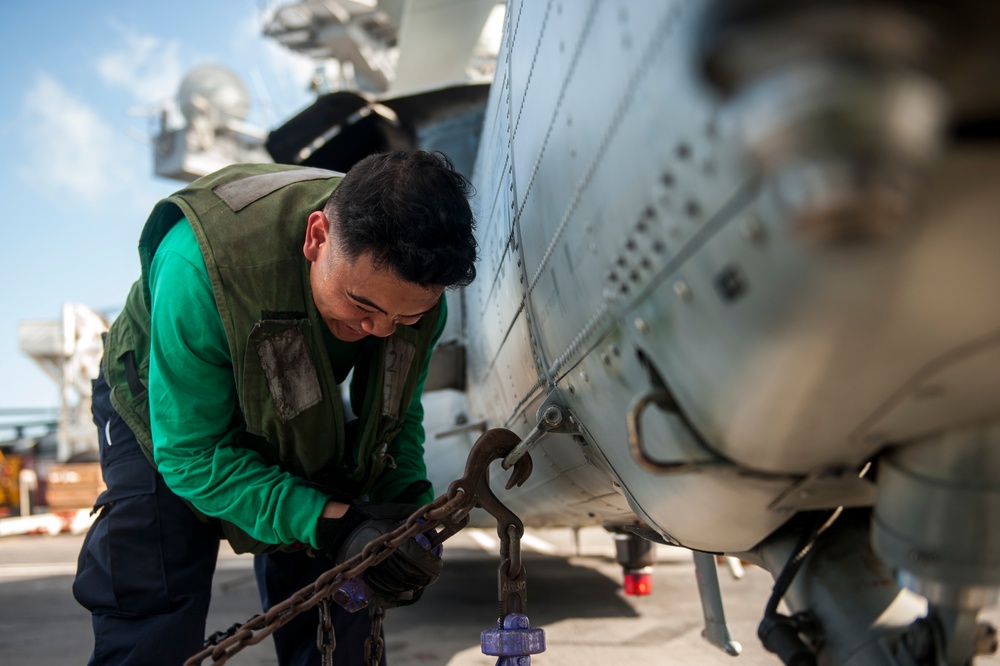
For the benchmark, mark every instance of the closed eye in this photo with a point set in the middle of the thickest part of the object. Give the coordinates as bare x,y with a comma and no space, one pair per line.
369,309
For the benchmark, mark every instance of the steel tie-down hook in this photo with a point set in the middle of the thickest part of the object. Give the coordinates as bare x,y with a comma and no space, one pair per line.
513,641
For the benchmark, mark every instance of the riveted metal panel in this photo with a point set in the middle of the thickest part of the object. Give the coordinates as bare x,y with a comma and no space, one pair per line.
501,359
594,201
829,353
600,218
621,220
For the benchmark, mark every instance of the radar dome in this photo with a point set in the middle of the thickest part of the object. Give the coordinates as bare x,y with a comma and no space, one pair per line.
220,88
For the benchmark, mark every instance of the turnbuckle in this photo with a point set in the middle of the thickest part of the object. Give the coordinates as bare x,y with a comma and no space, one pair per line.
514,641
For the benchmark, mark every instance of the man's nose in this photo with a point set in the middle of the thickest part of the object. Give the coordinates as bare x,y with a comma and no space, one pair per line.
380,326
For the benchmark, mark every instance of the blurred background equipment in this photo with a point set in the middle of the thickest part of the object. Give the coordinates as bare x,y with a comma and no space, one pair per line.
213,102
50,476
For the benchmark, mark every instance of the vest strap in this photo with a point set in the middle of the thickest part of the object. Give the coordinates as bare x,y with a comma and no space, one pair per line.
135,384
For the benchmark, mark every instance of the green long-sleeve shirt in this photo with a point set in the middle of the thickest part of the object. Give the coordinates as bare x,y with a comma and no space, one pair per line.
195,418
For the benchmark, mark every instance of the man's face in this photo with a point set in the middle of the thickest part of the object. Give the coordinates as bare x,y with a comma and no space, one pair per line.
353,297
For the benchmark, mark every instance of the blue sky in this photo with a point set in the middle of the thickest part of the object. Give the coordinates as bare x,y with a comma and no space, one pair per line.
82,81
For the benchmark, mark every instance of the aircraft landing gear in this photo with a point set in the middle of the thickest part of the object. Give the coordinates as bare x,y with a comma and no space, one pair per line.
636,557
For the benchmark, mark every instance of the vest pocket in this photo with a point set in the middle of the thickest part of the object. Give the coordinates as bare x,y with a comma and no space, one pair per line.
399,357
279,374
290,372
286,400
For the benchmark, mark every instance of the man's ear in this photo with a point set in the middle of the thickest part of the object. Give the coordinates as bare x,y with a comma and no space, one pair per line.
317,234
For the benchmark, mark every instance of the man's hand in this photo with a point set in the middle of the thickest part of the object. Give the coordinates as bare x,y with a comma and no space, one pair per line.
400,579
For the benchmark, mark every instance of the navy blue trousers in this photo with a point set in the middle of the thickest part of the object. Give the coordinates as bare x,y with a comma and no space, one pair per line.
145,569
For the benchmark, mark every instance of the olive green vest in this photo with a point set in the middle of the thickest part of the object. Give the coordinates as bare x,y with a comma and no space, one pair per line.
250,223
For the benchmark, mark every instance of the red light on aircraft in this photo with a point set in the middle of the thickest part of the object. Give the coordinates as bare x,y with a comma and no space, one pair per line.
638,583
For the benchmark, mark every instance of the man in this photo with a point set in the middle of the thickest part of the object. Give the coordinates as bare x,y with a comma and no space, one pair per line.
218,405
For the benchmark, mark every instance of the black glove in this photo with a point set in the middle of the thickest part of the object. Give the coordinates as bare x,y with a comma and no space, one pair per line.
331,533
402,577
398,580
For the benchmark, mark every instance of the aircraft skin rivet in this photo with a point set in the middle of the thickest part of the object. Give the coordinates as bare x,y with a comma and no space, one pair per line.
682,290
641,325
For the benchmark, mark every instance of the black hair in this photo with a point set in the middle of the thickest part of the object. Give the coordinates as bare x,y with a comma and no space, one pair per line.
411,211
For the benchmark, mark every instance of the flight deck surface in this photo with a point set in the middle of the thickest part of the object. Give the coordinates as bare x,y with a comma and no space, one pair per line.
576,599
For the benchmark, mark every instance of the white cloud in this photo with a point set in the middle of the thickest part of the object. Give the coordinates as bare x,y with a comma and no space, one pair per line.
150,69
147,67
70,149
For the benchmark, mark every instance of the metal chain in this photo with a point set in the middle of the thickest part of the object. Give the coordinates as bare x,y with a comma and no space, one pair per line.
449,510
326,639
374,644
218,636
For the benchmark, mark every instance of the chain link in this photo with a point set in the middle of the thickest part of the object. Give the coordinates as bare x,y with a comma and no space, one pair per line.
326,640
514,549
374,645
